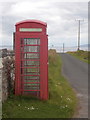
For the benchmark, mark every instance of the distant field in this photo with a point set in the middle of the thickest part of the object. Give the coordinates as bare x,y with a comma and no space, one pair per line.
62,100
82,55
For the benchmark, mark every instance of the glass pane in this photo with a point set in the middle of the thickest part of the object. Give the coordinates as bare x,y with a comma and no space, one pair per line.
31,70
27,80
31,88
31,63
32,41
31,84
31,48
32,77
28,73
31,55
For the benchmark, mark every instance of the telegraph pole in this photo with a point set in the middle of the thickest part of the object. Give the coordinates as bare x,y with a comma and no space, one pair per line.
63,47
79,33
52,46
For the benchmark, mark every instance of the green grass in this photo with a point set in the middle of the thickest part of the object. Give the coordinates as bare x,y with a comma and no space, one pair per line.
82,55
62,101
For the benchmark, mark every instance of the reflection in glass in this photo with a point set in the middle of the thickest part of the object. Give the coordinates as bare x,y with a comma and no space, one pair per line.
31,48
32,77
31,55
31,63
32,41
31,70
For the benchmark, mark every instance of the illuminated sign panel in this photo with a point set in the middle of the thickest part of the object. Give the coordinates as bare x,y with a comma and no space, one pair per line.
30,29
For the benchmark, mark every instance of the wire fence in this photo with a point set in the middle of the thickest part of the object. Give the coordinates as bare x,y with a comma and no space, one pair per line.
66,48
58,48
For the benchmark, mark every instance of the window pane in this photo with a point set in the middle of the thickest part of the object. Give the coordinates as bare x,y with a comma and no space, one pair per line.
30,73
31,48
31,84
31,70
27,80
32,77
31,88
31,41
31,63
31,80
31,55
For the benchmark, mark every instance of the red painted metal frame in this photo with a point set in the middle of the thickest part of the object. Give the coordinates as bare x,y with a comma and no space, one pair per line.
43,56
32,21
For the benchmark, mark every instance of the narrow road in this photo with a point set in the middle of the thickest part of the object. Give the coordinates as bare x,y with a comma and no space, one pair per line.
76,73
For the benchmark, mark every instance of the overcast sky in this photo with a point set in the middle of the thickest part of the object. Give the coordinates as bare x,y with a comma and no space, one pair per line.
59,16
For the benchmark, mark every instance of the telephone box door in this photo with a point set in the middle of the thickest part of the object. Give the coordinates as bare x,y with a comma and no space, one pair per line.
30,66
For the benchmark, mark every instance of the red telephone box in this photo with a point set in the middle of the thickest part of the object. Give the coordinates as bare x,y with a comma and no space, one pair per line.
31,59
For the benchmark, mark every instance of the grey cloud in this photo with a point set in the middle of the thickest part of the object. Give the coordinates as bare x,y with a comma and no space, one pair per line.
60,18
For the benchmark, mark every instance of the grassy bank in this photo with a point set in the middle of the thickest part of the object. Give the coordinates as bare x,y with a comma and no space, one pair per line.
82,55
61,102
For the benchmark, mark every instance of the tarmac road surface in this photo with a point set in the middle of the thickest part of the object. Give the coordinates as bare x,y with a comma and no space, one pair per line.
76,73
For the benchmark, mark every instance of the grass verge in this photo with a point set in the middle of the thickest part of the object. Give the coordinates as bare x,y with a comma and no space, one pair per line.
61,103
82,55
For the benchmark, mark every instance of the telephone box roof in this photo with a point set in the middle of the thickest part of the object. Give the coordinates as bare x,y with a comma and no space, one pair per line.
32,21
